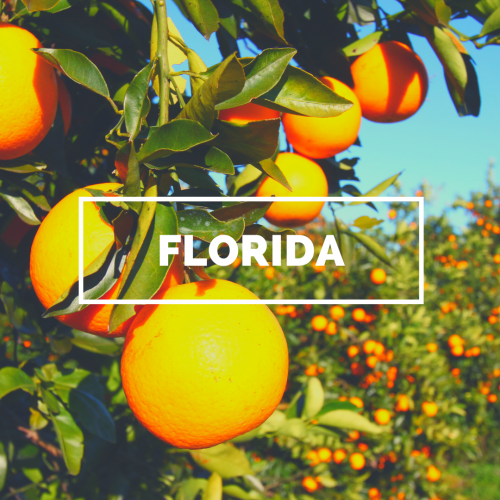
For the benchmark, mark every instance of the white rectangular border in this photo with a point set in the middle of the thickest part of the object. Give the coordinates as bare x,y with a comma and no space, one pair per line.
181,199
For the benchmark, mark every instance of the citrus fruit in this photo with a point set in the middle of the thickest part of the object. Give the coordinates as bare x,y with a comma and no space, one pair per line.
198,375
306,178
250,112
64,102
403,403
319,323
433,473
54,260
378,276
357,461
339,455
325,137
359,314
390,81
310,484
324,455
337,312
430,408
382,416
28,91
432,347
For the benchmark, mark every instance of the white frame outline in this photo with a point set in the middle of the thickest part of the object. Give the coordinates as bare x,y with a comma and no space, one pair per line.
181,199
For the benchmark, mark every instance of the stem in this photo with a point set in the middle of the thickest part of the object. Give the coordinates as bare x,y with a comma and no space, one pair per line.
179,93
162,54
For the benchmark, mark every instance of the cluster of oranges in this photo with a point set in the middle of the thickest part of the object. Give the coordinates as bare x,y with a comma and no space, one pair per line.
456,344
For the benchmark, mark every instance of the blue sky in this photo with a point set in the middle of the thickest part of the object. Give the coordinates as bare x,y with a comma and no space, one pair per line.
435,145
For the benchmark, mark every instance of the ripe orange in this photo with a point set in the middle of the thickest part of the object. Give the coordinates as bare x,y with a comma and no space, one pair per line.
390,81
382,416
369,346
337,312
331,329
313,458
310,484
492,398
457,350
319,323
433,473
215,372
325,137
28,91
356,402
432,347
430,408
339,455
359,314
455,340
270,272
352,350
371,361
64,102
403,403
357,461
378,276
325,455
248,113
54,260
374,494
306,178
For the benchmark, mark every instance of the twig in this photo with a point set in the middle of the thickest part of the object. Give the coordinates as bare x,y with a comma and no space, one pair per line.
35,439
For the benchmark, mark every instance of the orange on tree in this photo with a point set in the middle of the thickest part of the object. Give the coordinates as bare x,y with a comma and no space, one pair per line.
310,484
241,115
313,458
390,81
28,91
378,276
352,351
369,346
306,178
359,314
325,455
54,260
356,402
432,347
325,137
337,312
433,473
233,360
357,461
339,455
455,340
374,494
457,350
403,403
331,329
430,408
319,323
371,361
382,416
64,103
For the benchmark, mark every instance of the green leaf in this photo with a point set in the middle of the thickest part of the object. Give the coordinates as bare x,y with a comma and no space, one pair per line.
132,185
246,179
191,487
12,379
365,222
98,345
77,67
225,82
371,245
202,14
315,397
4,465
50,400
249,143
261,75
37,422
225,459
20,206
251,211
20,313
338,405
197,178
204,226
492,23
233,490
363,45
378,189
38,5
443,12
143,276
293,427
173,137
272,170
93,414
346,419
135,97
32,193
196,65
22,166
213,489
300,93
70,439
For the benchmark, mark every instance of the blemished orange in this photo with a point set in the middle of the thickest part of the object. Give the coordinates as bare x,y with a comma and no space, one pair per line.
325,137
382,416
54,260
319,323
306,178
433,473
390,81
64,102
250,112
357,461
214,373
310,484
339,455
359,314
378,276
337,312
430,408
28,91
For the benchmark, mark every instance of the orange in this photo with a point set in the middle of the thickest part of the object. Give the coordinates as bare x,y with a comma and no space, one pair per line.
430,408
359,314
378,276
319,323
492,398
357,461
313,458
374,493
356,402
331,329
54,260
28,91
270,272
433,473
306,178
432,347
310,484
369,346
371,361
339,455
382,416
455,340
390,81
337,312
403,403
325,137
325,455
250,112
64,102
352,350
311,370
199,375
457,350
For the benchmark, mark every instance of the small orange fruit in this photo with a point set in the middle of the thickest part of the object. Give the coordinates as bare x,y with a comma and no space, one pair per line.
356,402
492,398
369,346
250,112
352,350
378,276
337,312
382,416
319,323
357,461
306,178
433,473
432,347
455,340
310,484
331,329
457,350
359,314
371,361
403,403
390,81
339,455
313,458
430,408
270,272
374,494
325,137
325,455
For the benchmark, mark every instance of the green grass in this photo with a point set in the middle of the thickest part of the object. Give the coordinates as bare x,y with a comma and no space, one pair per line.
479,481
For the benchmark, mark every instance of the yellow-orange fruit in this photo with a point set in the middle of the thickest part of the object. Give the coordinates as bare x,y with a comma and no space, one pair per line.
357,461
325,455
430,408
390,81
28,92
331,329
313,458
433,473
369,346
359,314
432,347
382,416
337,312
356,402
339,455
378,276
65,103
306,178
310,484
198,375
319,323
325,137
54,260
403,403
250,112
